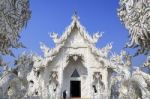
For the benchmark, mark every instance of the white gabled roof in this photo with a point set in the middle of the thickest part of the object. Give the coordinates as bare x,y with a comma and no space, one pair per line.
76,23
49,53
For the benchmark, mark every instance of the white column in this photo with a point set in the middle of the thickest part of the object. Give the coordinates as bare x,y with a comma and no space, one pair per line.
90,83
60,82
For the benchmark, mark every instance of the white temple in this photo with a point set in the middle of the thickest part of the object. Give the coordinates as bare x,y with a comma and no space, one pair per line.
74,65
75,68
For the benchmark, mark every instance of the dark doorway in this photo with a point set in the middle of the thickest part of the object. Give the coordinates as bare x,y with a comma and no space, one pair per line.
75,88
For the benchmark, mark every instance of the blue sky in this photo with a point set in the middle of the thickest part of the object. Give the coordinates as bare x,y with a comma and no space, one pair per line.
55,15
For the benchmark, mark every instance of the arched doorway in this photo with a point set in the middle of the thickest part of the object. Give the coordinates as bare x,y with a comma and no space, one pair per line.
73,77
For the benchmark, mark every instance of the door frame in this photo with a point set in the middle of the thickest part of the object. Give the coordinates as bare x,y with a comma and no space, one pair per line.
79,86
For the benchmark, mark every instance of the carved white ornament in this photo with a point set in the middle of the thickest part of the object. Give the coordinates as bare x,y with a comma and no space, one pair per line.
135,15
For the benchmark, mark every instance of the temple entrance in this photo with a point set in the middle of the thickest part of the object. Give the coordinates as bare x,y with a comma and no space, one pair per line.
74,74
75,88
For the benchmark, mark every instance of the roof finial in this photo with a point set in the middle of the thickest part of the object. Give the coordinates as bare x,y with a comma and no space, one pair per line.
75,13
75,16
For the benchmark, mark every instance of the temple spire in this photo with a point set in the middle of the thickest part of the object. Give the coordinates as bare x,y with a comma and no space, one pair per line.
75,16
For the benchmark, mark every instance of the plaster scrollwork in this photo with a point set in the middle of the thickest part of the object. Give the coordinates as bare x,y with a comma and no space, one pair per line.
54,36
34,87
50,53
53,85
103,52
98,86
14,89
114,87
96,37
75,23
123,59
143,81
14,81
126,58
38,62
135,15
75,57
121,63
24,64
45,49
135,87
116,59
129,90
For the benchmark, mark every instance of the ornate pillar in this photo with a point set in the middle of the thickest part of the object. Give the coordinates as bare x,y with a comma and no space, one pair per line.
61,69
91,81
60,82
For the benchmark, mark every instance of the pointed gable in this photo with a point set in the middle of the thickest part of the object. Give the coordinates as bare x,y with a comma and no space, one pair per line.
75,24
65,41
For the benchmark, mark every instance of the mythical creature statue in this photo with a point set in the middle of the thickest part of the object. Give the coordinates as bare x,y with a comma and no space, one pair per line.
14,82
121,63
34,84
105,50
50,53
96,36
143,81
136,86
45,49
53,85
54,36
7,85
98,86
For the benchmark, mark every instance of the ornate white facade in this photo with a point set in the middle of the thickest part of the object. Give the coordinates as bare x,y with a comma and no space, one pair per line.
77,68
75,62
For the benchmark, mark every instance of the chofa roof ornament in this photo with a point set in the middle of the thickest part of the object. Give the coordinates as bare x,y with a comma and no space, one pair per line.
75,16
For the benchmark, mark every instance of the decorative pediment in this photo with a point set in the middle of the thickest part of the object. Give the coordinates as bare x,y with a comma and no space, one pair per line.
75,24
81,39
